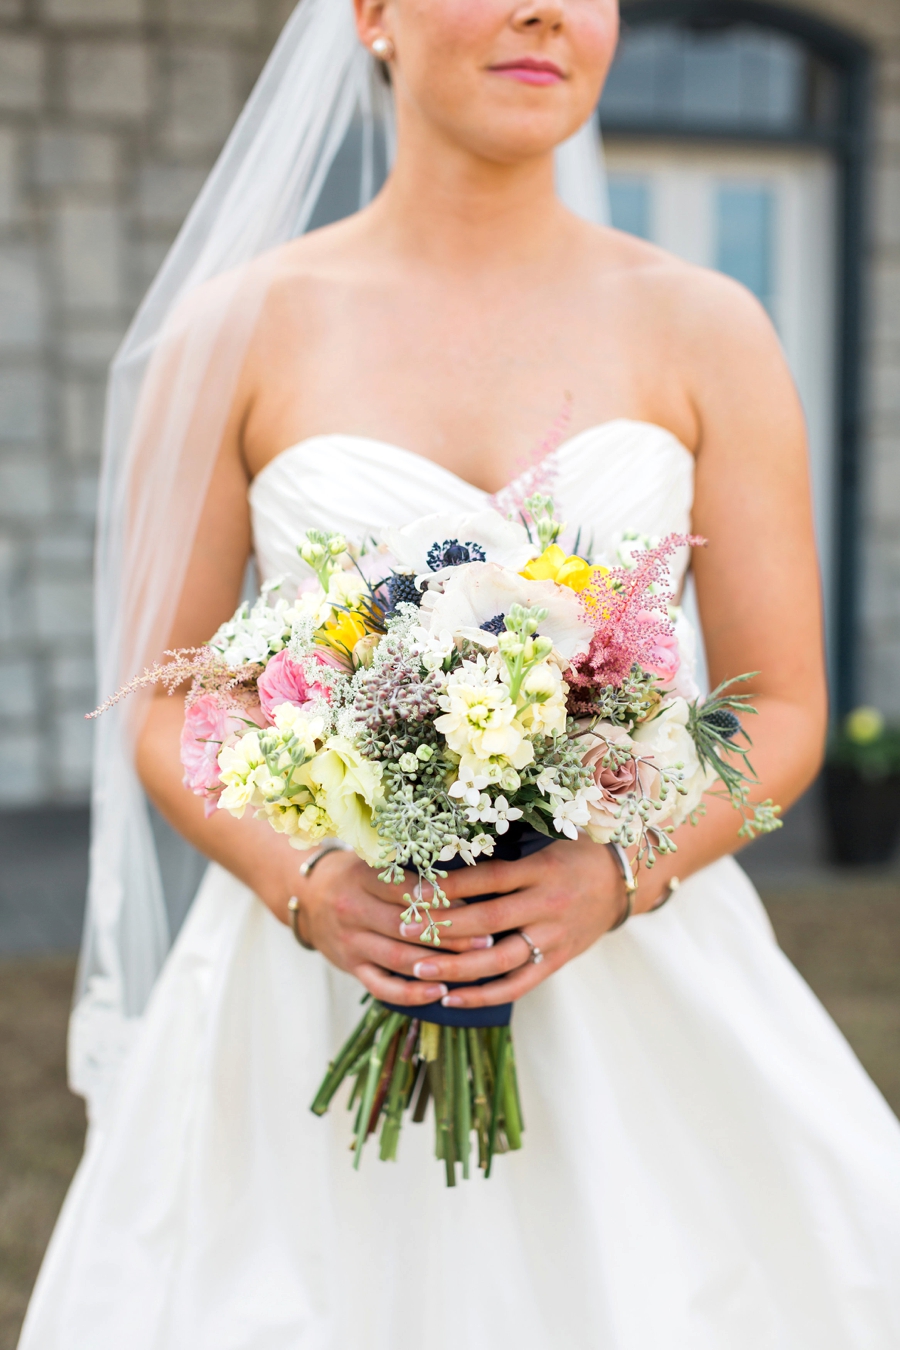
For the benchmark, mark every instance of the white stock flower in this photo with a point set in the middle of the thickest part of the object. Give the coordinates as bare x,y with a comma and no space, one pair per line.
434,545
483,592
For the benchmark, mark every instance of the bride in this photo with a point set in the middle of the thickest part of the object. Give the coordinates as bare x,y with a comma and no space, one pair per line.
707,1167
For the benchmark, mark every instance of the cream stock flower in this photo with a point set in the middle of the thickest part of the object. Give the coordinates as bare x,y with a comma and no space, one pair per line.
243,770
547,714
480,718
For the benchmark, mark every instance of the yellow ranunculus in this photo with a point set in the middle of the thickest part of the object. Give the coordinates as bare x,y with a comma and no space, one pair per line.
553,565
343,631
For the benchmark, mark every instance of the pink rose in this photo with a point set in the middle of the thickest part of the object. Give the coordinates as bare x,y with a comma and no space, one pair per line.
206,726
285,681
663,659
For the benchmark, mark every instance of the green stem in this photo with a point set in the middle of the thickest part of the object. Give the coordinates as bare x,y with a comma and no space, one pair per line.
463,1101
376,1064
500,1075
337,1070
480,1098
448,1113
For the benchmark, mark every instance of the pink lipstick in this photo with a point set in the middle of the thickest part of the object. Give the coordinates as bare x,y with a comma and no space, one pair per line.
529,70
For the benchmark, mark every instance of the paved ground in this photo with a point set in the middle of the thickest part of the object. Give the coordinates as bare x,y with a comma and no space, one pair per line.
841,930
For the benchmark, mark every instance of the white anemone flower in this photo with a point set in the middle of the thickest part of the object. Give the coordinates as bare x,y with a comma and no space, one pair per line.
483,593
434,545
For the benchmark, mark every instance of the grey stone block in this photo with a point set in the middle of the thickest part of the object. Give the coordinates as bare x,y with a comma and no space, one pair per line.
887,204
75,159
89,252
63,549
109,79
203,100
21,300
235,16
94,11
92,348
21,777
166,192
26,486
63,609
74,676
83,408
21,73
10,196
75,738
18,689
21,404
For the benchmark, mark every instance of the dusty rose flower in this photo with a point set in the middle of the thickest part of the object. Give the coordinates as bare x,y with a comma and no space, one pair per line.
285,681
614,783
206,726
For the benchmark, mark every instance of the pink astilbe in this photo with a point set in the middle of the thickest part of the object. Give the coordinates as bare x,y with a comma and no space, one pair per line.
535,472
204,668
631,624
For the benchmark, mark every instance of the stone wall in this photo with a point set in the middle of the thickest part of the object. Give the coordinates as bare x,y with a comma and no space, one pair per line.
111,113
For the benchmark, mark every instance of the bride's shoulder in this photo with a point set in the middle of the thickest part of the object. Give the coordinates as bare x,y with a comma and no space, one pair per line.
680,297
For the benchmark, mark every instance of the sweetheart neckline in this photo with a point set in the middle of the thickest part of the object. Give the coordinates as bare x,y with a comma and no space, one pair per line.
449,473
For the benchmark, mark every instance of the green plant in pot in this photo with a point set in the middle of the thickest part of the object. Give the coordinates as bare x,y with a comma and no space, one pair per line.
862,788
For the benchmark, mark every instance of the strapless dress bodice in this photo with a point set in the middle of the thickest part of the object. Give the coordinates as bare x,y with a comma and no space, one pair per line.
620,475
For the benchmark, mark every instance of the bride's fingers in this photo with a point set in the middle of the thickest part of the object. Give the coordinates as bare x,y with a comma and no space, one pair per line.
378,917
491,916
391,989
508,954
505,990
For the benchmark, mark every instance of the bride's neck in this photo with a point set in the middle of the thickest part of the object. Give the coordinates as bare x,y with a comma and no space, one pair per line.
447,205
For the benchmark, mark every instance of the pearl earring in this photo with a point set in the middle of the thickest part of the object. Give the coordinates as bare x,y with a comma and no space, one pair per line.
383,48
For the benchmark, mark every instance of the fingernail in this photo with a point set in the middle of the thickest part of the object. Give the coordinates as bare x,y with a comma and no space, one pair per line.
451,1001
407,929
482,942
425,969
437,991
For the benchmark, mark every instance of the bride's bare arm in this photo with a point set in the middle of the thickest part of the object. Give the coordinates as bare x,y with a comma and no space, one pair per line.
758,591
347,913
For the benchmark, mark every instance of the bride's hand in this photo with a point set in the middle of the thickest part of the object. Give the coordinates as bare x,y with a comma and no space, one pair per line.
353,919
565,898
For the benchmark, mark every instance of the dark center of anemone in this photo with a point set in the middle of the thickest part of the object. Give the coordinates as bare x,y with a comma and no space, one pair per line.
451,553
496,625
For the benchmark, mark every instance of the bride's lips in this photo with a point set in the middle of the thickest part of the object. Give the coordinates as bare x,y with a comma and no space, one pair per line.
529,70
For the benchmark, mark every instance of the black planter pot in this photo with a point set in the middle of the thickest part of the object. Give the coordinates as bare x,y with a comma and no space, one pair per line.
863,815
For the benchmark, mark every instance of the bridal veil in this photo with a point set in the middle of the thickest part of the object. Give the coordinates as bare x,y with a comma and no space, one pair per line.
319,98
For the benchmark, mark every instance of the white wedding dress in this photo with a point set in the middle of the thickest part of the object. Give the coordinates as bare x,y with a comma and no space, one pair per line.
706,1166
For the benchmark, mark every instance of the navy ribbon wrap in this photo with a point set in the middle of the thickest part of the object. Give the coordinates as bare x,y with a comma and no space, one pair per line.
518,842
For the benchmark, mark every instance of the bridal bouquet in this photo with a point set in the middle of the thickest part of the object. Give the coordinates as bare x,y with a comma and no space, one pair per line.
460,689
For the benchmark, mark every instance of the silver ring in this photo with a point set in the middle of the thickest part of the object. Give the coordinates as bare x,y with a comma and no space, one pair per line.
537,955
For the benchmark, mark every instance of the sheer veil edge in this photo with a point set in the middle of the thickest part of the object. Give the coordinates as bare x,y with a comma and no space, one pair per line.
170,390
